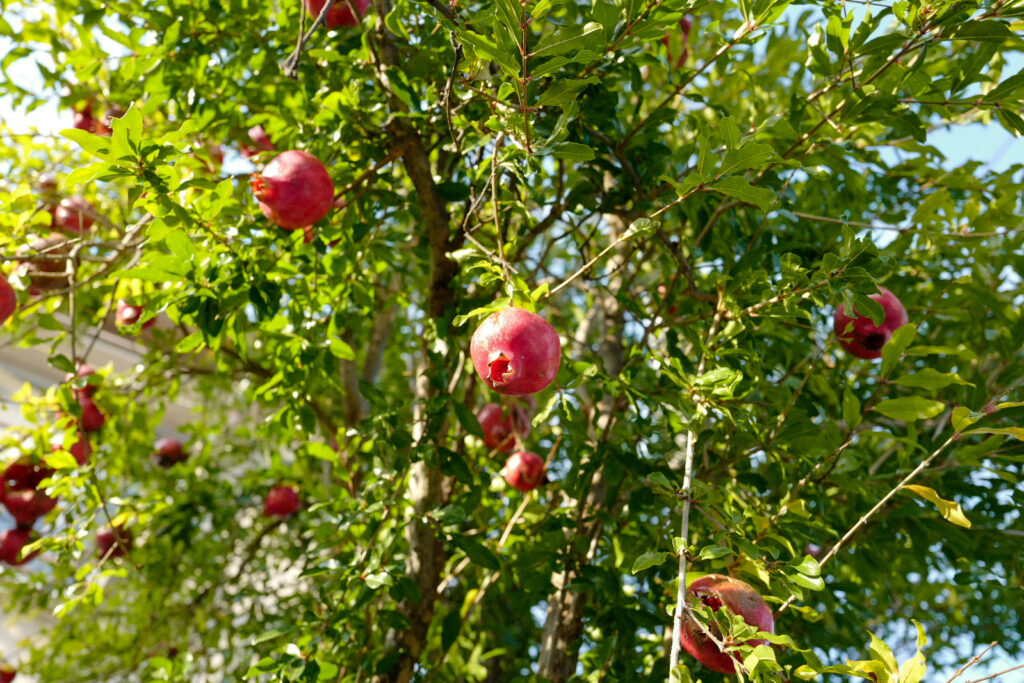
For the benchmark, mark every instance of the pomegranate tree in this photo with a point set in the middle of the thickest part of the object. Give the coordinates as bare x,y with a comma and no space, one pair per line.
516,352
524,471
294,190
714,591
860,336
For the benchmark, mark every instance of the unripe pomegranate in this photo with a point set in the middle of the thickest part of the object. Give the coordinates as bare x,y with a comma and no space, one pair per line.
260,139
860,336
11,543
128,315
73,214
502,423
8,299
23,474
524,471
114,541
169,452
92,418
281,501
7,674
516,352
339,14
715,590
294,190
28,506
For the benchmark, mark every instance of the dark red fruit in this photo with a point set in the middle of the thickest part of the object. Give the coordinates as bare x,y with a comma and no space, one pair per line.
49,274
715,590
7,674
28,506
516,352
500,424
11,543
23,474
114,542
294,190
81,449
524,471
169,452
84,370
128,315
339,14
73,214
281,501
8,299
860,336
92,418
84,120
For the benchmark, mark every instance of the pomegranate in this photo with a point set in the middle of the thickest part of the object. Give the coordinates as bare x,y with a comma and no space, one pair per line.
23,474
114,542
92,418
260,139
501,424
860,336
281,501
128,315
524,471
49,274
73,214
715,590
28,506
8,299
7,674
91,385
294,190
11,543
84,120
516,352
81,449
169,452
339,14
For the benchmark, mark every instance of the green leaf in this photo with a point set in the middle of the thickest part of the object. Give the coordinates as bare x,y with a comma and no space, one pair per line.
964,417
910,408
713,552
982,30
639,227
87,174
851,409
950,510
574,151
897,344
930,378
495,305
738,188
753,155
1015,432
560,92
567,38
649,559
61,460
814,583
476,552
467,419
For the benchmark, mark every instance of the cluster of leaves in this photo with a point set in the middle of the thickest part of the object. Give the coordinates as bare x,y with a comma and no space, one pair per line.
547,153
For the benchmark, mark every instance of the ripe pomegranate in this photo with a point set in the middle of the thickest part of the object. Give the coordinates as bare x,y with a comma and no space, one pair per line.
73,214
81,449
84,120
261,140
8,299
84,370
524,471
169,452
114,542
516,352
11,543
28,506
128,315
501,423
7,674
24,474
92,417
281,501
861,337
339,14
294,190
715,590
45,275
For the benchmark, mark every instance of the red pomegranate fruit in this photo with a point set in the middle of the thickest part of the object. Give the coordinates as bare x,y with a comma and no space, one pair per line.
860,336
281,501
168,453
128,315
261,141
24,474
84,120
8,299
84,370
340,14
516,352
524,471
502,423
114,541
73,214
92,418
715,590
81,449
11,543
7,674
294,190
45,275
28,506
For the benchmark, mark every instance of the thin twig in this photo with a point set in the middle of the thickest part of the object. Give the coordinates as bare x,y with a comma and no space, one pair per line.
974,660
